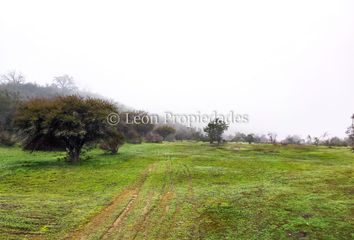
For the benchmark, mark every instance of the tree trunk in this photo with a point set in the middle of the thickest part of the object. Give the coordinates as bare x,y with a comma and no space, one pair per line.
114,151
74,155
220,140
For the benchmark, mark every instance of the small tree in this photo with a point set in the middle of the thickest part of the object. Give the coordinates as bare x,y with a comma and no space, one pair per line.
135,125
350,133
198,135
112,141
215,129
63,123
239,137
293,139
250,138
316,141
272,137
309,140
164,131
132,136
145,125
153,138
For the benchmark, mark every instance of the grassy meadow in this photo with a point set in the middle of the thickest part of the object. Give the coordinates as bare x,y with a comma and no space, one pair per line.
181,190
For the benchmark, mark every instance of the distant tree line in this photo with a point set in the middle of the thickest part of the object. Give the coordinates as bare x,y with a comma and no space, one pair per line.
60,117
271,138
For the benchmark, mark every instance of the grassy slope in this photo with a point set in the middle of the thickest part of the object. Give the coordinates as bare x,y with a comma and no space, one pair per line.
191,191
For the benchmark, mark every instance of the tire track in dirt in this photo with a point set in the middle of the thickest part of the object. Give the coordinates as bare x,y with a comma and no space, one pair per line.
99,220
165,201
115,227
142,222
193,201
191,196
164,198
116,224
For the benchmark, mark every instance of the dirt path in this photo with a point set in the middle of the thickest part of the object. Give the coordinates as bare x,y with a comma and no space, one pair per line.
148,207
120,217
159,207
100,220
192,200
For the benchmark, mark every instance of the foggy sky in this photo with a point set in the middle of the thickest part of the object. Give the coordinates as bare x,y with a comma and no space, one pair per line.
288,64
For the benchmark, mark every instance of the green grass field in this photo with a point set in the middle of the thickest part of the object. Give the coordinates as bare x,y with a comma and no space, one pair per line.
179,191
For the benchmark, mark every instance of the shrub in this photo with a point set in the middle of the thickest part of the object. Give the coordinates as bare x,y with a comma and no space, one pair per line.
133,137
153,138
112,141
138,122
164,131
293,139
336,142
250,138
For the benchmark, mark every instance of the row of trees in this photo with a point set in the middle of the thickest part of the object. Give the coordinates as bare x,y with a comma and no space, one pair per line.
71,122
14,78
15,82
292,139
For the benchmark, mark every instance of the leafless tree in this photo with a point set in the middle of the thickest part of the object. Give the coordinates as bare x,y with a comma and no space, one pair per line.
350,133
12,77
272,137
309,139
318,140
64,82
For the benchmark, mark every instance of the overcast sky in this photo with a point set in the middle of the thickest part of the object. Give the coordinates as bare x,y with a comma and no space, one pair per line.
288,64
